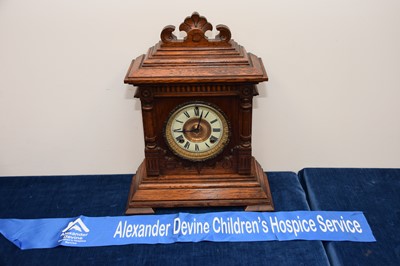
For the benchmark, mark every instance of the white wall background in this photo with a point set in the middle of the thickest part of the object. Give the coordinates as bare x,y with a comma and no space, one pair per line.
332,99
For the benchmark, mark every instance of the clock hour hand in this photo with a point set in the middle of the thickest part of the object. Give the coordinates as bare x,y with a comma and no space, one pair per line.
179,130
184,130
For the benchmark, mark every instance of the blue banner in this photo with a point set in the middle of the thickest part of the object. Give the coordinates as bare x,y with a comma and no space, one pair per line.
85,231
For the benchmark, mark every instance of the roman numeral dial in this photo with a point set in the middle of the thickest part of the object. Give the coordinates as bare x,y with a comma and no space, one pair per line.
197,131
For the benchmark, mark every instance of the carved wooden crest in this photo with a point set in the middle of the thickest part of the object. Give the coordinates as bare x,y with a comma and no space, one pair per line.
195,27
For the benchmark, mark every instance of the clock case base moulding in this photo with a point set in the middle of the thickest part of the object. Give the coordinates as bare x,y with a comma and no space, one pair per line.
250,191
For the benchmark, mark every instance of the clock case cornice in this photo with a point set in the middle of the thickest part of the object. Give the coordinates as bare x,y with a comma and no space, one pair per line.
196,59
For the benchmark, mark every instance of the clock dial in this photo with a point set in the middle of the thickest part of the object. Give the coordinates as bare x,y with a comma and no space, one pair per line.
197,131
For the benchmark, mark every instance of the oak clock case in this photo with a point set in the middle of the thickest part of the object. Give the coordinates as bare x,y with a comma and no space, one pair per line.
196,98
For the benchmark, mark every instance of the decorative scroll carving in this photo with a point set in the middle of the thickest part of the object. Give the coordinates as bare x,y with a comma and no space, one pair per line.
224,33
195,27
167,35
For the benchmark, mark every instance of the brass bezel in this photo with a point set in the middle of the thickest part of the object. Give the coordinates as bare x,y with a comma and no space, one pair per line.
197,156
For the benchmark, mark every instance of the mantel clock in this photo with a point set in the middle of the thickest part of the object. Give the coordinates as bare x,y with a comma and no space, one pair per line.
196,97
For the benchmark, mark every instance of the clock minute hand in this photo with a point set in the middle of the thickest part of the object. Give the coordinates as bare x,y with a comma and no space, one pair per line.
179,130
198,124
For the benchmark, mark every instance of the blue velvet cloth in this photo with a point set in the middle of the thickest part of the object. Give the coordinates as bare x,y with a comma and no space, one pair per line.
106,195
376,192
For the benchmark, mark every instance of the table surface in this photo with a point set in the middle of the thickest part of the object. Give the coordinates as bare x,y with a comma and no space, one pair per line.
106,195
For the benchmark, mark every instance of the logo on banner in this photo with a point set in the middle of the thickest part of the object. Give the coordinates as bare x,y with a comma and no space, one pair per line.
75,233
